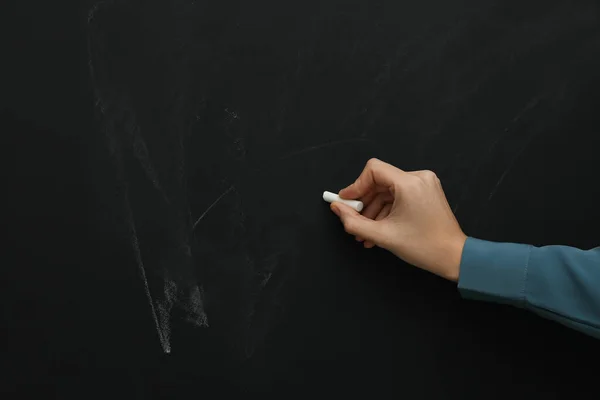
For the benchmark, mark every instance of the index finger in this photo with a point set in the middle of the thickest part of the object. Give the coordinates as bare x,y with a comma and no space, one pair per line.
377,175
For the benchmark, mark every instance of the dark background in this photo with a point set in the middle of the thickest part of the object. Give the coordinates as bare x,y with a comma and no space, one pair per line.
191,141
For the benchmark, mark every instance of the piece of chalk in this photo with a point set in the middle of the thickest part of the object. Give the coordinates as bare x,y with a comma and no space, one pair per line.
331,197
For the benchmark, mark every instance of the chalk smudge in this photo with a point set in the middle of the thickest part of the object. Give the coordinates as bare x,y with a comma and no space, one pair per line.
127,142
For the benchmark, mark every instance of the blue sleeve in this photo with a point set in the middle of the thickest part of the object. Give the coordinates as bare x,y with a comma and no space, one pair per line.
557,282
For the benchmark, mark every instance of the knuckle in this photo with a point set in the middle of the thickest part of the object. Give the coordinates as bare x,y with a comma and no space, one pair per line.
373,162
430,175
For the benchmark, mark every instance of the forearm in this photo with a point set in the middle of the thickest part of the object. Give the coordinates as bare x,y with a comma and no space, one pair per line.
557,282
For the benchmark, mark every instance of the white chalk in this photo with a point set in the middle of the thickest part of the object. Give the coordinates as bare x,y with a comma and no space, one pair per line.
331,197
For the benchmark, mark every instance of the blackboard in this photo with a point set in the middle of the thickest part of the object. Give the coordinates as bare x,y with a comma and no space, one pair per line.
164,164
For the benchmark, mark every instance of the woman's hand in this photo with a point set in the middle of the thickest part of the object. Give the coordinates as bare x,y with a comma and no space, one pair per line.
406,213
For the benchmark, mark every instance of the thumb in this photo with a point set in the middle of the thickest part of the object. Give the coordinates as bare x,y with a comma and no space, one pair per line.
356,224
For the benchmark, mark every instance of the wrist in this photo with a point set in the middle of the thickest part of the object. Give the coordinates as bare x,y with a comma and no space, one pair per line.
451,263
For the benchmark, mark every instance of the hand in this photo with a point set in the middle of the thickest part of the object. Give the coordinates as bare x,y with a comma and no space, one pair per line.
406,213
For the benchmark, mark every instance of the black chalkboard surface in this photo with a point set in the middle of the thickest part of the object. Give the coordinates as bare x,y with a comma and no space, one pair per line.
165,162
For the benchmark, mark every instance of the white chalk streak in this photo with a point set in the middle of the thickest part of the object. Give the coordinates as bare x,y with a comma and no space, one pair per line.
164,339
211,206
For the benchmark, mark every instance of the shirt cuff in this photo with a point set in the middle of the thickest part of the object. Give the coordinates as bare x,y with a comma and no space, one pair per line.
494,271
